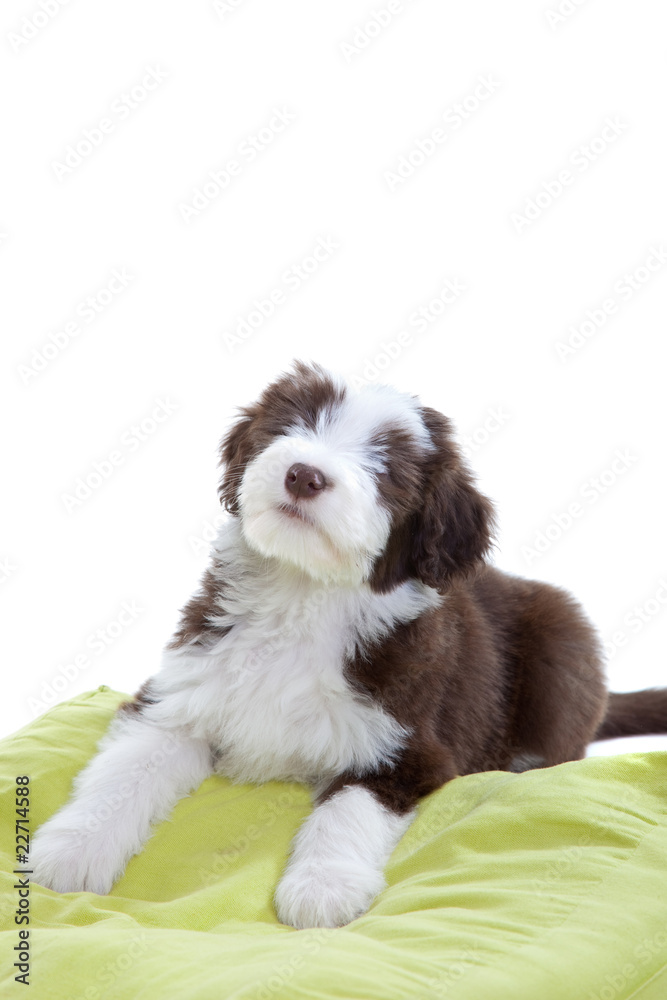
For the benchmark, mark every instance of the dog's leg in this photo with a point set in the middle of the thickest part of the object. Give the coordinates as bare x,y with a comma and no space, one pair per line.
338,857
136,779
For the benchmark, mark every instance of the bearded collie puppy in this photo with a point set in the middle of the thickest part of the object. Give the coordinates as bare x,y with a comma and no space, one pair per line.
348,634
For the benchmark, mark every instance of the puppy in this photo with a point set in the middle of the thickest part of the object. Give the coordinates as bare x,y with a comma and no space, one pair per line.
350,635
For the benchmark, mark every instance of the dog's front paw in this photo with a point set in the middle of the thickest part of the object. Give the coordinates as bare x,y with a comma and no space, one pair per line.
326,895
64,860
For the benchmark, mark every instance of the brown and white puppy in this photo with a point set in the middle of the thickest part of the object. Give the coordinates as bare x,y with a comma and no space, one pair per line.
348,634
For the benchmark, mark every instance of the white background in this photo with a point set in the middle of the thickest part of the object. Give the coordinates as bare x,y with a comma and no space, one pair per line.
358,95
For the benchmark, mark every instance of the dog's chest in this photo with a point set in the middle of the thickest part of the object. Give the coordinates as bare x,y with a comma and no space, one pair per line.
273,698
288,710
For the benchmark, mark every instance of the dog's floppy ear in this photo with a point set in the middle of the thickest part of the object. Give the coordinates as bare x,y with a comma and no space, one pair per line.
452,532
235,453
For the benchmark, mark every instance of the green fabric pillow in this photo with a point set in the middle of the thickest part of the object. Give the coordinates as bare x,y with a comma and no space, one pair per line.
544,885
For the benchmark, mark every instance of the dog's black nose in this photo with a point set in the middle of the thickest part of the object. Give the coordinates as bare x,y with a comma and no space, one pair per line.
304,481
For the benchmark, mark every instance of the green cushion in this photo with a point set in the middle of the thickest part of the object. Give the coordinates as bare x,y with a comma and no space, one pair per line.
549,885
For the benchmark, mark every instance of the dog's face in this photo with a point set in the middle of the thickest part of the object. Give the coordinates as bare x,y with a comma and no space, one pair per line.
353,486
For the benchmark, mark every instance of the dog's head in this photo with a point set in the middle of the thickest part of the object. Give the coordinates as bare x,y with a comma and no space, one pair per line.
353,486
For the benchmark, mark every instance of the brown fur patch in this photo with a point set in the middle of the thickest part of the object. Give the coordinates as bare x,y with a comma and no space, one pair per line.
504,666
198,625
142,698
296,398
442,526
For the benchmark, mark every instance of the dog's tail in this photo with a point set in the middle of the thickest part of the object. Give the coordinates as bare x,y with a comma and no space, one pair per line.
637,713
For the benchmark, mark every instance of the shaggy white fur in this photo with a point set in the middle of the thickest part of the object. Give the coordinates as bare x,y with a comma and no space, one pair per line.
268,699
